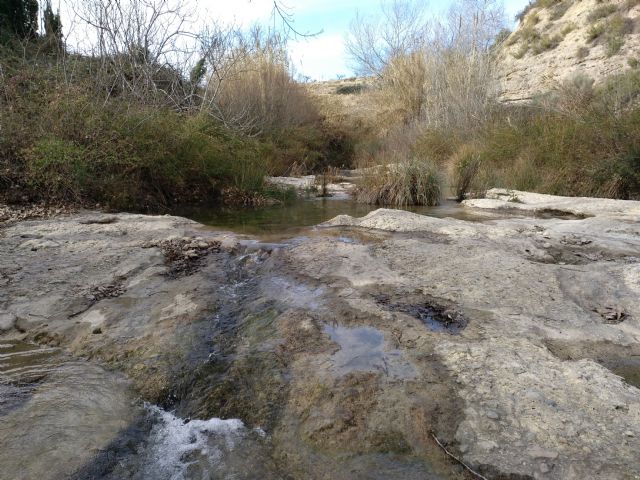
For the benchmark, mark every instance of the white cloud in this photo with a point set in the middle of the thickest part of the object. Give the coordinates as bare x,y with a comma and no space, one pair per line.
321,57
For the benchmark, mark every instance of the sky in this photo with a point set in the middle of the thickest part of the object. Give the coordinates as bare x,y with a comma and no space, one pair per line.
323,56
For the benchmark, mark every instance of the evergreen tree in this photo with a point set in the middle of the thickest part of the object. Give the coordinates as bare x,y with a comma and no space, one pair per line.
52,25
18,18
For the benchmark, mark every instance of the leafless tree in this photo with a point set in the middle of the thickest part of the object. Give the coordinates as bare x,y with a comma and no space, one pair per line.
250,87
141,45
375,42
438,72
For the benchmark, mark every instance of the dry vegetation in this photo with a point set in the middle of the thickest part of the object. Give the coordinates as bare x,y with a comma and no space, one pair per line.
438,127
209,115
146,114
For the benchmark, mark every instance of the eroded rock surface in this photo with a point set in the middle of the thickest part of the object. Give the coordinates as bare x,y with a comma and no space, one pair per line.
513,341
530,408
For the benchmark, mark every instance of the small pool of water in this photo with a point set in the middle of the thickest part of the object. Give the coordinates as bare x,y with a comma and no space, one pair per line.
300,214
363,349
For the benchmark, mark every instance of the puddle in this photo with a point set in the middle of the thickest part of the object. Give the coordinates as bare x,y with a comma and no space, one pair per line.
362,349
437,318
629,371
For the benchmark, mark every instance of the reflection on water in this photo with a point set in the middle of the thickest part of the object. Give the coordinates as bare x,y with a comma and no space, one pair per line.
362,349
293,217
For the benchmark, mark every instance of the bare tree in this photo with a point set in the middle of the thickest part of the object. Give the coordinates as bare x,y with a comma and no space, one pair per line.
375,42
141,45
251,87
432,71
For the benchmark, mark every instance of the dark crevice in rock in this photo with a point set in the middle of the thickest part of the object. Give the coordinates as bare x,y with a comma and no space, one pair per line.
436,316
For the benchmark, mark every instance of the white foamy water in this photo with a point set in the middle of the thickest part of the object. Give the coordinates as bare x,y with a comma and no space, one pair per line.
178,449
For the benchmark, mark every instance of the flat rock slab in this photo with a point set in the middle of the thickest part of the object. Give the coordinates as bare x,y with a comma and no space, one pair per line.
539,382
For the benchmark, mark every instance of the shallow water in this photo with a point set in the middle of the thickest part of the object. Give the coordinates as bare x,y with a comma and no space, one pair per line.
292,218
363,349
56,412
66,418
179,449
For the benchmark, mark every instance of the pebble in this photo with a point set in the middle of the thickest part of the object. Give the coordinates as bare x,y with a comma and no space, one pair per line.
493,415
546,245
544,468
629,433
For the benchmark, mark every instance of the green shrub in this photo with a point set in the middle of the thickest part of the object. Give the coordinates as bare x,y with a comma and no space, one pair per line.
568,28
602,11
582,52
57,167
560,9
62,139
616,29
595,31
547,43
466,165
351,89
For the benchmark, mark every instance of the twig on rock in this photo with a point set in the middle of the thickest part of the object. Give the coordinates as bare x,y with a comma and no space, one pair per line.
469,469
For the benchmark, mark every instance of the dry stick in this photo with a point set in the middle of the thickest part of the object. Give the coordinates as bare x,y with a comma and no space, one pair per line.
473,472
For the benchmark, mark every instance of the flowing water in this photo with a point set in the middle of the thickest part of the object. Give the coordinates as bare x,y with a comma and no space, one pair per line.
56,412
61,417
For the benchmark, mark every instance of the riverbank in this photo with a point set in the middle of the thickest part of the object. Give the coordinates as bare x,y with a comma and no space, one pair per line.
346,352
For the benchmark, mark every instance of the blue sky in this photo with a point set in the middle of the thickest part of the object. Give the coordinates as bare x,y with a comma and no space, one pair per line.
322,57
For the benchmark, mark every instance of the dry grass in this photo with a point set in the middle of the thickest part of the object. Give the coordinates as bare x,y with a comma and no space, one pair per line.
411,182
258,94
465,164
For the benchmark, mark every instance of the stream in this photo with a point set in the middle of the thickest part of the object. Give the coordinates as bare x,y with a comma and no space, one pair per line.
282,221
63,413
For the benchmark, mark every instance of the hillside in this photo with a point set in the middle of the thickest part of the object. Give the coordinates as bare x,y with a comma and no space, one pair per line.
556,40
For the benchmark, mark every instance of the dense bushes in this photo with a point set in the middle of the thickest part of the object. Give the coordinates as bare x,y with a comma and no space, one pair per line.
577,141
61,140
58,142
441,109
410,182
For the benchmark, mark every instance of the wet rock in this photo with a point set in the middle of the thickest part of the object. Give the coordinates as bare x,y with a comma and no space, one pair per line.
273,363
437,317
611,315
101,220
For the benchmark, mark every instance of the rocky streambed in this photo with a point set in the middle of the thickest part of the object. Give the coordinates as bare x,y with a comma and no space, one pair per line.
394,345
